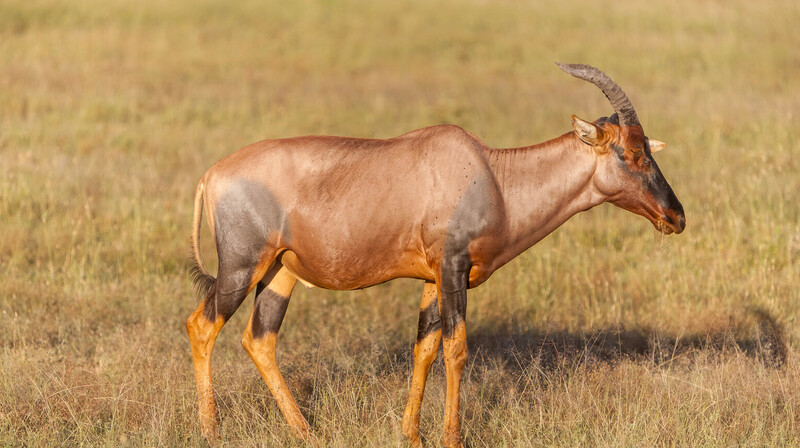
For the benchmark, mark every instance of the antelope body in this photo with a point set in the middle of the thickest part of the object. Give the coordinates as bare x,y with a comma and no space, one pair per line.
435,204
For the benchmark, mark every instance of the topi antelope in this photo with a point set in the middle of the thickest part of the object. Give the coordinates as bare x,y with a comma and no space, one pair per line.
435,204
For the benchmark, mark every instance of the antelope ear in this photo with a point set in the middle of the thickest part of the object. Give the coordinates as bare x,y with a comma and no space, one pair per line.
655,145
587,132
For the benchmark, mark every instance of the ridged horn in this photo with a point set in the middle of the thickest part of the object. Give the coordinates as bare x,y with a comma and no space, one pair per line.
619,101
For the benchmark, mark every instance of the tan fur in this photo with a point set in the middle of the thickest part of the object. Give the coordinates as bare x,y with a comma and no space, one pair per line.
455,357
425,352
202,335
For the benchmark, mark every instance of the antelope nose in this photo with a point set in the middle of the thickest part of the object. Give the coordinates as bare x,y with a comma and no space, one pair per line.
675,221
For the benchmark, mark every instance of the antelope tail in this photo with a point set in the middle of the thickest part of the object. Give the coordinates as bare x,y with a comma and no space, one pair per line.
203,281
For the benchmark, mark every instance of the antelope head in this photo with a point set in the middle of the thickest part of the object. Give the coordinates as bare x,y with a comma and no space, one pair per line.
627,174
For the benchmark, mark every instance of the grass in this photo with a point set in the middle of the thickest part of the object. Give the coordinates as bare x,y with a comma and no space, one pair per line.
604,334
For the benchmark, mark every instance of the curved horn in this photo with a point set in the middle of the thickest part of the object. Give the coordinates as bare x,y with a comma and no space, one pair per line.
619,101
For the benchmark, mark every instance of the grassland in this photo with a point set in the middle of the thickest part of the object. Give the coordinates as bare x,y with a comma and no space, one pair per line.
604,334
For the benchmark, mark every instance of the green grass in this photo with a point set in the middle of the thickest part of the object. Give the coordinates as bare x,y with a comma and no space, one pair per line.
604,334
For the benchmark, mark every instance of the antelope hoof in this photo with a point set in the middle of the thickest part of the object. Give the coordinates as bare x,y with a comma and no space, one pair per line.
209,430
411,432
412,436
301,429
303,434
452,441
414,441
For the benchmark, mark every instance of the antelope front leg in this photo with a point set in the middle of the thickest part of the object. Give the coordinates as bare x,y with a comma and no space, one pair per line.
453,307
429,336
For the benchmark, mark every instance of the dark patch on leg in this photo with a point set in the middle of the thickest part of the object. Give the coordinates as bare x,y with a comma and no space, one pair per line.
210,309
474,214
268,312
454,310
429,320
229,306
246,215
229,293
454,282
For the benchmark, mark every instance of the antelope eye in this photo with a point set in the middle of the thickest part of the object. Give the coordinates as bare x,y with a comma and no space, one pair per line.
646,162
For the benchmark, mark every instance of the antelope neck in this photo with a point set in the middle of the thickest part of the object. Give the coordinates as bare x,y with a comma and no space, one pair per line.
543,186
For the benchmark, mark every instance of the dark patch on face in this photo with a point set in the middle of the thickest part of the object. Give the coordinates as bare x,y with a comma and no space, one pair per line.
620,151
471,218
268,312
662,192
614,119
244,217
429,321
652,181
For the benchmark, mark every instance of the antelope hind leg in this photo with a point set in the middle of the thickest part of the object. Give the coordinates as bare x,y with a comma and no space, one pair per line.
204,326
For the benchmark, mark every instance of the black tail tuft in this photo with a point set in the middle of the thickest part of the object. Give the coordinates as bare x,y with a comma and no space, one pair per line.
203,282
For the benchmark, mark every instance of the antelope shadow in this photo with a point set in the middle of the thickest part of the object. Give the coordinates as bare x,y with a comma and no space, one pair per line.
765,342
518,348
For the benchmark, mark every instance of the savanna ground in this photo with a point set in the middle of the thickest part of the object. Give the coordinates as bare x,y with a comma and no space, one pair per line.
604,334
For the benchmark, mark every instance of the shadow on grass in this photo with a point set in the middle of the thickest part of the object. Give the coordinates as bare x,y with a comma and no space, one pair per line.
764,341
757,335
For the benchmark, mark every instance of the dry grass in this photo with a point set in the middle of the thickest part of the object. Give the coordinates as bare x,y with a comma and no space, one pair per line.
605,334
